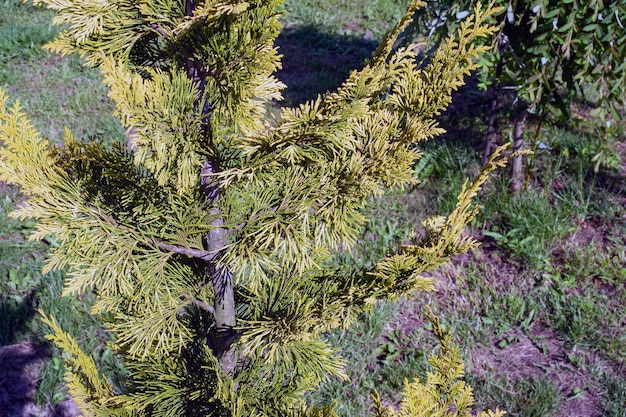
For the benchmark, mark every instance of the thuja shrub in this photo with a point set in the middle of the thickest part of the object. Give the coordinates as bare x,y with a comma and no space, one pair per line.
207,239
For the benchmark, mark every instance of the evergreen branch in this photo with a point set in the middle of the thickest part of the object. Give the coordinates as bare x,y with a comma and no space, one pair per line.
156,331
199,303
169,138
87,386
389,41
158,29
192,78
444,392
192,253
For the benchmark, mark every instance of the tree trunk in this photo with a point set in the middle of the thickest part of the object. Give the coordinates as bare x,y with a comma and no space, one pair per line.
492,112
491,126
130,146
224,304
519,126
223,342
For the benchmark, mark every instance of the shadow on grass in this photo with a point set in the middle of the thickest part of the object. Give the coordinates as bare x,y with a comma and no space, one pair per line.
15,315
315,62
20,361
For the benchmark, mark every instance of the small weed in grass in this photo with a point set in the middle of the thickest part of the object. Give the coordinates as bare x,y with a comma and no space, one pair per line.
532,397
614,397
527,226
572,316
589,319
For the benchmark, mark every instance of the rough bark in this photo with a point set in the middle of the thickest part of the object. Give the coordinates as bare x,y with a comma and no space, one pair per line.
223,342
519,126
492,112
221,277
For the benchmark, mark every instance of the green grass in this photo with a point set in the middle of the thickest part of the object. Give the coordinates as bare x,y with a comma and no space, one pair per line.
23,29
55,92
315,62
345,17
549,279
527,397
60,92
614,397
324,41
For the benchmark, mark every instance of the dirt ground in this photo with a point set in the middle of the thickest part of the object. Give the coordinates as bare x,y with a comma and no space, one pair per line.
19,374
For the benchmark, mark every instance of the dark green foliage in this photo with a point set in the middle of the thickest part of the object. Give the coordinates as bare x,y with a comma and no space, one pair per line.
550,50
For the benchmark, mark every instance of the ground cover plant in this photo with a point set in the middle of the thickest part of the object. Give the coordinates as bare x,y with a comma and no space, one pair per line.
539,306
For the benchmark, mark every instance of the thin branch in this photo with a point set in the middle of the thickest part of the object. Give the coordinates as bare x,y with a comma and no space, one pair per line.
193,253
199,303
161,31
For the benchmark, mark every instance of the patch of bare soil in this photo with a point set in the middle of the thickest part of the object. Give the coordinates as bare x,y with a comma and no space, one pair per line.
19,369
539,352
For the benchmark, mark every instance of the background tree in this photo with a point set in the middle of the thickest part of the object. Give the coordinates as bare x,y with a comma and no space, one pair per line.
546,53
209,241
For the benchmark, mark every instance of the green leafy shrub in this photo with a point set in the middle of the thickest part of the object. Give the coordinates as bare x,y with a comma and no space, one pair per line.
546,53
